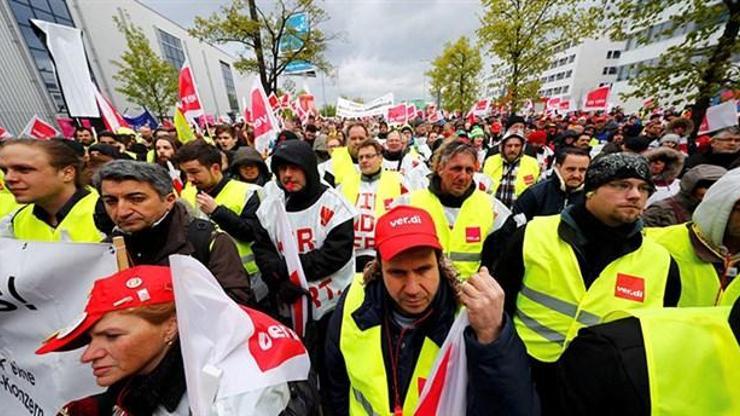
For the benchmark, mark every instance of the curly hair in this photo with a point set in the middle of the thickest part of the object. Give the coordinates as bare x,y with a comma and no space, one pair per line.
374,271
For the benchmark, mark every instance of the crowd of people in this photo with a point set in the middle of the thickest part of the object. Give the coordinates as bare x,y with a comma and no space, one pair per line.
596,255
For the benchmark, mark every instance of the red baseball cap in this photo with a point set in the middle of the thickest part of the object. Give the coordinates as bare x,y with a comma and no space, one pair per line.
130,288
402,228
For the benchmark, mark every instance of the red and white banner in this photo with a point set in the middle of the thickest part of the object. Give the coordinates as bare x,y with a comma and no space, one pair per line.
285,101
719,116
274,101
481,107
396,114
445,390
39,129
4,134
410,112
175,177
263,120
237,360
111,118
188,93
553,103
272,210
564,105
597,99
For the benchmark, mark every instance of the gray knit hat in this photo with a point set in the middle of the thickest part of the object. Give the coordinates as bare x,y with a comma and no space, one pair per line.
617,166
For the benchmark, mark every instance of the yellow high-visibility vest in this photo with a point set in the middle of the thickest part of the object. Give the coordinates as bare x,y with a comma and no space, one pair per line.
389,187
527,173
77,226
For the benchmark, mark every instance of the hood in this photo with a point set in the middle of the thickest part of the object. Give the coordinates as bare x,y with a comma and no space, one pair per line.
298,153
714,210
249,155
698,174
673,162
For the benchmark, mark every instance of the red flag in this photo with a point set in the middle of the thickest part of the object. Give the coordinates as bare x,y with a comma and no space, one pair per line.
564,105
67,125
397,114
111,118
553,103
39,129
189,99
274,101
4,134
285,100
410,112
263,120
597,99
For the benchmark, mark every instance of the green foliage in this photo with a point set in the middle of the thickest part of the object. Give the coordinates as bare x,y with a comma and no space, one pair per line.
523,35
144,77
246,24
328,110
692,70
455,74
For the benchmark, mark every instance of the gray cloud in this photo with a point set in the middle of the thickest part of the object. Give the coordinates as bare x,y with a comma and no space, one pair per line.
385,45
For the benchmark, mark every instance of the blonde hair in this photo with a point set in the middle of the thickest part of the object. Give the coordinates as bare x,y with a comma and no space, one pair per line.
154,314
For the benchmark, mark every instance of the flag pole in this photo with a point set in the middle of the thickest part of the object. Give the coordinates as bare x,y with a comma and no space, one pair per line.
119,245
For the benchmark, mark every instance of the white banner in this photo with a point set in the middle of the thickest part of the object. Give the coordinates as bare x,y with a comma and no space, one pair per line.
44,287
66,48
718,117
351,109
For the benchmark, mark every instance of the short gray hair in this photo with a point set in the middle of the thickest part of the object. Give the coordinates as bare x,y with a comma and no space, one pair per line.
728,131
123,170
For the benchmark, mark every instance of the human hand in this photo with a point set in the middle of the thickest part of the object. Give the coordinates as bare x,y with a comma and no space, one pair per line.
206,203
484,299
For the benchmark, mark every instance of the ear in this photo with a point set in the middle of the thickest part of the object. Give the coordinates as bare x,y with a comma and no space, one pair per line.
69,173
170,199
170,328
215,168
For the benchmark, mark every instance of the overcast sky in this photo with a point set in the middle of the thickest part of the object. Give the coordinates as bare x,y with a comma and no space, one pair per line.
386,45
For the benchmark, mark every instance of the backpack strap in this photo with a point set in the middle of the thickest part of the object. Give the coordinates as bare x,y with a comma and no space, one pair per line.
200,235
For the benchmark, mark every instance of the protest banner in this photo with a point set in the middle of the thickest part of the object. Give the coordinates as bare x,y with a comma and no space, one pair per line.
376,107
597,99
263,120
43,287
230,362
39,129
396,114
188,94
111,118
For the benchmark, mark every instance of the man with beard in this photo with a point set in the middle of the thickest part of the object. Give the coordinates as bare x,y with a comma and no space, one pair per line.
564,272
463,215
511,170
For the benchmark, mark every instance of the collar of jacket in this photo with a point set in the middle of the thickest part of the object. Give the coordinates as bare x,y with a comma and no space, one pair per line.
165,386
395,156
704,248
377,303
446,199
168,236
372,177
219,186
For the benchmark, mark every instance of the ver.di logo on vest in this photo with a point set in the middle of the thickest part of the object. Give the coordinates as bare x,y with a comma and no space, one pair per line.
630,287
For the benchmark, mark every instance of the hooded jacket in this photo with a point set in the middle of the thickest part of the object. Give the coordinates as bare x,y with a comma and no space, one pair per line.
678,208
338,246
713,214
666,184
249,155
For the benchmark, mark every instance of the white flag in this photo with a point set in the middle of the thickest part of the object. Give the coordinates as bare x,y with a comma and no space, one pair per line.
445,391
66,48
237,360
44,287
719,116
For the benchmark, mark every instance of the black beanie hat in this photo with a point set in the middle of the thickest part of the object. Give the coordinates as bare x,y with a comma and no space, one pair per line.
617,166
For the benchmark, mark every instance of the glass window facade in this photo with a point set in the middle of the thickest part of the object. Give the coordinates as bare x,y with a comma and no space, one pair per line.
171,49
230,87
52,11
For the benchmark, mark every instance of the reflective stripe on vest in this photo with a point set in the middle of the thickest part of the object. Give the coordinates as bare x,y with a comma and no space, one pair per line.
233,196
527,173
363,356
388,188
77,226
692,360
700,285
554,304
462,244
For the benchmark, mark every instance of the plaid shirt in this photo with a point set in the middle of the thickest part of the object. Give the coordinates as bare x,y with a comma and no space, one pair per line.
505,192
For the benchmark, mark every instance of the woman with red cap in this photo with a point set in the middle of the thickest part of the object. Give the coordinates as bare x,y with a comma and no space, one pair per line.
129,331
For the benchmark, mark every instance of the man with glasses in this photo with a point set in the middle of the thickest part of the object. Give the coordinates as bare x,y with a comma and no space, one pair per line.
463,214
572,270
724,151
371,191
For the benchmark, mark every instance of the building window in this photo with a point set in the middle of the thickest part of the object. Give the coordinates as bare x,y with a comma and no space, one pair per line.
605,70
230,88
569,73
616,54
609,55
560,75
171,49
55,11
557,90
571,58
612,70
565,89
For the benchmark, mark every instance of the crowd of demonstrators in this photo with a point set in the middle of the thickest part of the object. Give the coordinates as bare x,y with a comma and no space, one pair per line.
579,217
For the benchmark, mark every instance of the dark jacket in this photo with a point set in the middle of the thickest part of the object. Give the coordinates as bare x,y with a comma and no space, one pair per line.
246,155
725,160
604,370
499,380
237,224
678,208
337,248
175,235
546,198
595,246
165,387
